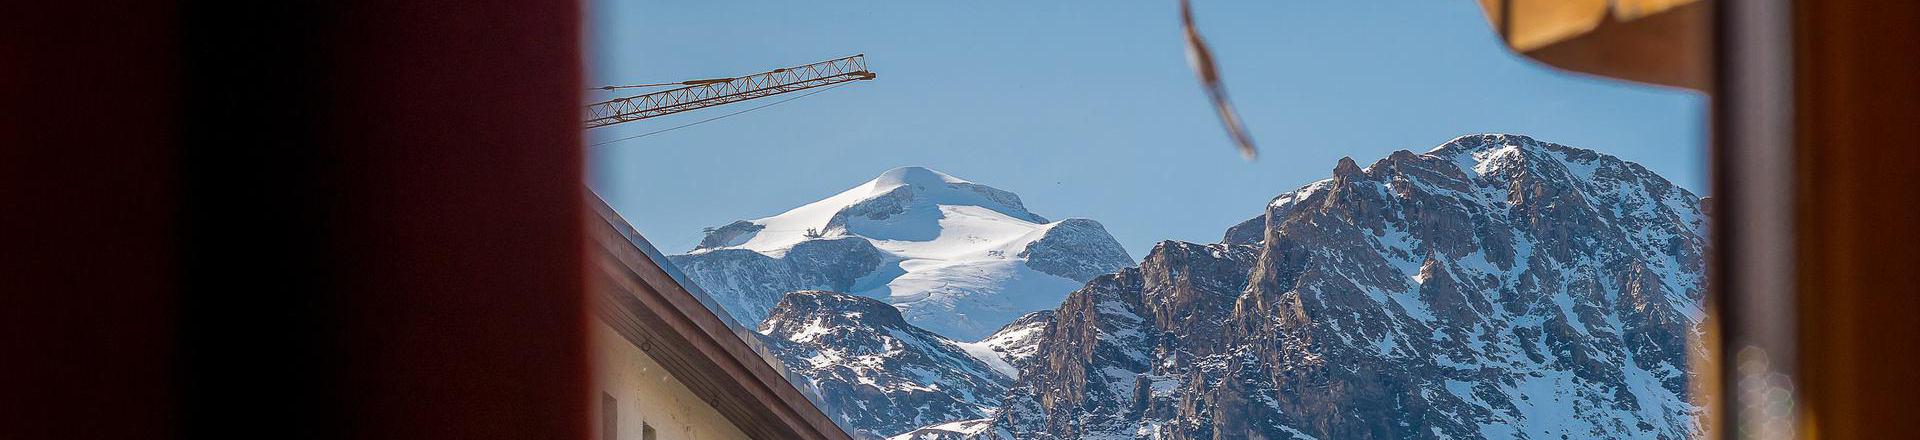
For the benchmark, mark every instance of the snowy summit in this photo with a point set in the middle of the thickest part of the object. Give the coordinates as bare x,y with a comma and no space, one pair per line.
958,258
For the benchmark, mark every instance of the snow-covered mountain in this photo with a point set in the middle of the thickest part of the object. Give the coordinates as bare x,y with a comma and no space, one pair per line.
958,258
875,374
1494,287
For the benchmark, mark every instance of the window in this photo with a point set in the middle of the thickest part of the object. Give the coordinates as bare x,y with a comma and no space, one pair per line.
1438,238
609,417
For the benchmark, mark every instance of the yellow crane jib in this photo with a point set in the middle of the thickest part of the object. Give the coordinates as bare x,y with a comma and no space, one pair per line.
711,92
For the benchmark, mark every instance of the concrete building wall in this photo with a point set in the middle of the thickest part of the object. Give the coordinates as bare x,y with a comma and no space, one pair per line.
645,395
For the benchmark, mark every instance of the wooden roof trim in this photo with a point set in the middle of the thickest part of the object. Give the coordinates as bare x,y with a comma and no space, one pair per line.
653,306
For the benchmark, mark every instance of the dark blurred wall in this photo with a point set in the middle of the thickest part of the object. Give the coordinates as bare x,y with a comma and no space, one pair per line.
357,219
90,195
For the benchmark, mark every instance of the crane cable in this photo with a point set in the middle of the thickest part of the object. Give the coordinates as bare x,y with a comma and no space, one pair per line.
715,118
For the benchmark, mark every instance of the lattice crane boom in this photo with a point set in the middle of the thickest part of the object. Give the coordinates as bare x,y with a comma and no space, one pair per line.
708,93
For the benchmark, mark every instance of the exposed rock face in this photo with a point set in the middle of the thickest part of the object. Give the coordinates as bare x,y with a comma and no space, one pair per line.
1094,366
1496,287
874,373
958,258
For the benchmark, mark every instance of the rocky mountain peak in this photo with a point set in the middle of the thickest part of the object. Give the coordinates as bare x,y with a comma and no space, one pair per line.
1484,149
915,176
1497,286
873,372
1346,168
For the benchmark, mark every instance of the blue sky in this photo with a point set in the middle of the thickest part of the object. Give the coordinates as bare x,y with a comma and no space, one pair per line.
1085,108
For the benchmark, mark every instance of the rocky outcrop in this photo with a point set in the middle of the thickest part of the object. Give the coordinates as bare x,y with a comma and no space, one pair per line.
733,234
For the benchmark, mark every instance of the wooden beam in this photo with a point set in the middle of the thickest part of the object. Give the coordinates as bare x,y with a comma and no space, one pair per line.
1857,145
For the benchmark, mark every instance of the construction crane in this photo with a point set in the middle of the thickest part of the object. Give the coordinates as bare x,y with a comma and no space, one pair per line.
703,93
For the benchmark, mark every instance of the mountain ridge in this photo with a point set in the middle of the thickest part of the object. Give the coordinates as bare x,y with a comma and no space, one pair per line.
1497,286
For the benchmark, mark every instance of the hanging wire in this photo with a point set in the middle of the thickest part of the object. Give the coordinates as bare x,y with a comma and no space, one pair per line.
715,118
